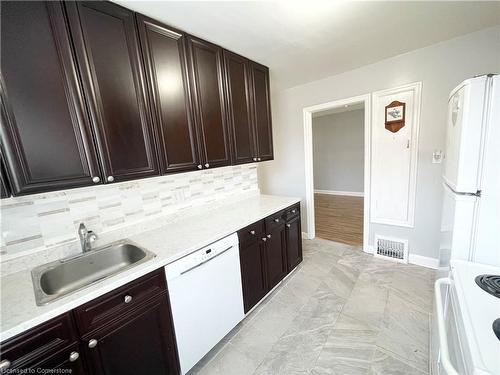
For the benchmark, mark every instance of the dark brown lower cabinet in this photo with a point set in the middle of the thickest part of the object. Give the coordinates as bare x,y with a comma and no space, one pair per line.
126,331
293,242
253,273
269,250
141,342
275,252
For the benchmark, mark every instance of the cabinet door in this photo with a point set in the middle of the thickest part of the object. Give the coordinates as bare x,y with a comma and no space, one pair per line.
207,91
293,243
45,132
253,275
276,264
107,48
239,108
262,111
4,182
142,342
164,51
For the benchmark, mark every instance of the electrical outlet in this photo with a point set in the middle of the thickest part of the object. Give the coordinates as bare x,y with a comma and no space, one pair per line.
437,157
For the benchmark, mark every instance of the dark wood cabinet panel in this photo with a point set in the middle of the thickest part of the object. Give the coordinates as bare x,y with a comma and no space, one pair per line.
164,51
48,345
208,98
275,252
293,242
253,275
4,181
262,110
45,131
108,54
142,342
239,107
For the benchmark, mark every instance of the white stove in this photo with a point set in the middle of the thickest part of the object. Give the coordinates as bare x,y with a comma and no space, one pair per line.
465,313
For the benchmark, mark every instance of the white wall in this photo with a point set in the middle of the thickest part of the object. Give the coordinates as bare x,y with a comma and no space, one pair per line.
440,67
338,151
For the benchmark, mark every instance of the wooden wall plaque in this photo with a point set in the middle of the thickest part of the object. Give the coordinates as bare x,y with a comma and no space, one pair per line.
395,116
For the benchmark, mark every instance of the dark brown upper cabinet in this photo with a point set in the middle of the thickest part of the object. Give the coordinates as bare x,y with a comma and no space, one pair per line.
107,48
45,132
206,69
262,111
164,51
239,108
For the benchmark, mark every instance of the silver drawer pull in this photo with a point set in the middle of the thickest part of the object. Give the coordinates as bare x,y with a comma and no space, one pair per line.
73,356
277,220
110,178
4,365
264,239
207,165
200,166
128,299
92,343
288,225
252,232
96,179
268,236
294,211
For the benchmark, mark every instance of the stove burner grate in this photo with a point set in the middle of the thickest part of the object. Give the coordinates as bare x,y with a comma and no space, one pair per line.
489,283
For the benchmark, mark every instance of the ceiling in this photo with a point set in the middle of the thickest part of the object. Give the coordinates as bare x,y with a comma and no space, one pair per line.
302,41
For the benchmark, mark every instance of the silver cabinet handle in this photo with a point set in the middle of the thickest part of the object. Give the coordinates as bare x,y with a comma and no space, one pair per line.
252,232
264,239
254,159
128,299
277,220
110,178
258,159
5,364
92,343
73,356
96,179
207,165
268,236
200,166
288,225
294,211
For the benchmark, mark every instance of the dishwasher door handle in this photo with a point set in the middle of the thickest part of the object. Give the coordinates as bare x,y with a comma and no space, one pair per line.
205,261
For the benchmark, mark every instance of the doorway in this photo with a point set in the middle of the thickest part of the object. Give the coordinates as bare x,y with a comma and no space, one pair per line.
337,155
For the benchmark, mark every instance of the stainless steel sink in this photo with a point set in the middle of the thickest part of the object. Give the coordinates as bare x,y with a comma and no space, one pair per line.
56,279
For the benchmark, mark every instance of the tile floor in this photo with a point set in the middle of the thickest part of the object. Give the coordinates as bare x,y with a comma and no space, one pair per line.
341,312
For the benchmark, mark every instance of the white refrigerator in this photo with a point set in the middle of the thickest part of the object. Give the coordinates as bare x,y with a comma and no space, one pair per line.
470,224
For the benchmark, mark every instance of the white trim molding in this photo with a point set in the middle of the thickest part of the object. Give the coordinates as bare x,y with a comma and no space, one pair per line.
308,160
340,192
306,236
420,260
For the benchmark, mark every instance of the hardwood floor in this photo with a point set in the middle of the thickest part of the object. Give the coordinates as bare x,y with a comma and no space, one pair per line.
339,218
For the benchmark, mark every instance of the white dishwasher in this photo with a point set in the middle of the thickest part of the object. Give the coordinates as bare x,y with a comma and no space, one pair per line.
206,298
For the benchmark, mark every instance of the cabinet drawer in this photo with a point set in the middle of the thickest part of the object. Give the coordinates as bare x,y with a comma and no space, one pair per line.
292,211
275,220
120,301
31,348
251,233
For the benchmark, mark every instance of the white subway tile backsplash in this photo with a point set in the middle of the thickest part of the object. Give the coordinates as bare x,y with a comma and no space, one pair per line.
33,224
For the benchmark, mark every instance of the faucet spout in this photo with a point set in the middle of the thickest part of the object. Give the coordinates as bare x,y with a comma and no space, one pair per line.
86,238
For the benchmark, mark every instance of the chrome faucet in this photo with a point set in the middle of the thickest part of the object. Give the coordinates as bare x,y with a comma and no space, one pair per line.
86,238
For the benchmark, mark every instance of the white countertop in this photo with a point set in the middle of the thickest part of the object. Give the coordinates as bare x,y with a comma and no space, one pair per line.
172,241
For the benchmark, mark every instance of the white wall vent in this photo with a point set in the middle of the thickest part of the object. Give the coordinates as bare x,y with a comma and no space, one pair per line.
395,249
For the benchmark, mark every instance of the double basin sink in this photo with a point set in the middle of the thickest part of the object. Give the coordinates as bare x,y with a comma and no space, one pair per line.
57,279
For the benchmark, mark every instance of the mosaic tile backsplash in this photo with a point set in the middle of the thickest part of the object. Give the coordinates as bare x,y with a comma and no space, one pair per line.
41,221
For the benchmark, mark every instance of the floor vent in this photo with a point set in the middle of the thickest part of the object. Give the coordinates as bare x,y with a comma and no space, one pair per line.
395,249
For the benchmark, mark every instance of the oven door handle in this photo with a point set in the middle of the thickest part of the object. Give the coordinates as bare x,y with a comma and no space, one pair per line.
444,355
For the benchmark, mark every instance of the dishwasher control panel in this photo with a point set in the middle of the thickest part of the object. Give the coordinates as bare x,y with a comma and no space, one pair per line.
200,256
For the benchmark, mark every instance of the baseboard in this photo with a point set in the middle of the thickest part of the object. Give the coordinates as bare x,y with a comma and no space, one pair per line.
306,236
340,192
420,260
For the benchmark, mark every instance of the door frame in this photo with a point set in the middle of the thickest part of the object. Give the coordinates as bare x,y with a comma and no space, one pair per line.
308,158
